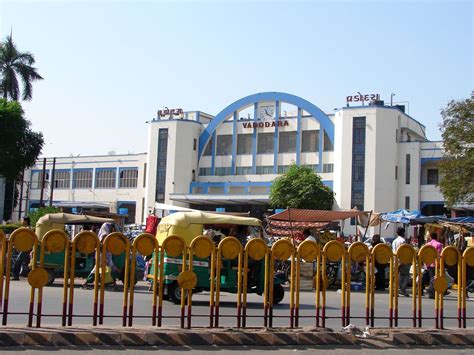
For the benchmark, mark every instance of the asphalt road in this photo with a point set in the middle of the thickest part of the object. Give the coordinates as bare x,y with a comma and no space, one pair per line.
52,305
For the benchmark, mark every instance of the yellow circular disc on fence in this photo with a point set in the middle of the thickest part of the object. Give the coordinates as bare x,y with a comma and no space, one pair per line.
55,241
2,235
450,256
202,247
358,252
282,249
145,244
405,254
440,284
187,280
334,251
308,250
116,245
23,239
469,256
257,249
230,248
86,242
38,277
428,254
174,246
382,253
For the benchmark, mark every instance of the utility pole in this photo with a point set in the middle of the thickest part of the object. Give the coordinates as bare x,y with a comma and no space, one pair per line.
52,184
42,183
391,98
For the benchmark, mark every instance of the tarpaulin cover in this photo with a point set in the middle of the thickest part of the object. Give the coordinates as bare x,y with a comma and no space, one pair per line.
400,216
300,215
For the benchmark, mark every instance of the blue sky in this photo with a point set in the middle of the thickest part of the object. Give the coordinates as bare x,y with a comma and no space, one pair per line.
110,65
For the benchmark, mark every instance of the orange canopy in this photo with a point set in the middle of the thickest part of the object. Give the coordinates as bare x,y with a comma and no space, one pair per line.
300,215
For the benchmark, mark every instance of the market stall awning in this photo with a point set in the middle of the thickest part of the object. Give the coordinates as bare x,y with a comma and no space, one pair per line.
302,215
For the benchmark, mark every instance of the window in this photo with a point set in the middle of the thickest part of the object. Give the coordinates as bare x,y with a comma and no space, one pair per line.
37,179
62,179
221,171
224,144
205,171
243,170
194,144
310,141
144,175
407,170
327,144
161,163
209,148
358,163
432,177
82,179
287,142
265,143
282,169
396,172
128,177
105,178
329,168
314,167
261,170
407,202
244,144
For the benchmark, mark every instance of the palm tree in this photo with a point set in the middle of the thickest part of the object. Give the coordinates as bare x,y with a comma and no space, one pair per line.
13,63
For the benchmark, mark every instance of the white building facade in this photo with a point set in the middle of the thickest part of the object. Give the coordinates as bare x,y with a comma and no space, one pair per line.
374,157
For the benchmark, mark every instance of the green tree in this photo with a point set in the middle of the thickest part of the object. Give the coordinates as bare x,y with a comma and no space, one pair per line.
457,165
300,187
19,145
14,63
40,212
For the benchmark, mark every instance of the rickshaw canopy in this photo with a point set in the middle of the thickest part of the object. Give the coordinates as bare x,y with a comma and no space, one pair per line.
189,225
58,220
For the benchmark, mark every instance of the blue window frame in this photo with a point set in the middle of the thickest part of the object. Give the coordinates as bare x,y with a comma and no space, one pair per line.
82,178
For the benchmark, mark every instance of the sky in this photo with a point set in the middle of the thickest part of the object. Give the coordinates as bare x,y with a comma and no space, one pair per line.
108,66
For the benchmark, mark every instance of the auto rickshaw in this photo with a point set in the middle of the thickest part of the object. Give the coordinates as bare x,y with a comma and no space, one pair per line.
190,225
54,262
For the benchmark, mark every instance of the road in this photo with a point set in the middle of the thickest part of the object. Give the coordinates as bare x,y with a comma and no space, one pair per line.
52,305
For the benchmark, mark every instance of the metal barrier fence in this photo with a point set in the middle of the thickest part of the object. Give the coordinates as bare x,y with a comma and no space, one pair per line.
230,248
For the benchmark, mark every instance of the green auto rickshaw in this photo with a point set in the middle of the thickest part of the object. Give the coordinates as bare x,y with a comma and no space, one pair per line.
54,262
190,225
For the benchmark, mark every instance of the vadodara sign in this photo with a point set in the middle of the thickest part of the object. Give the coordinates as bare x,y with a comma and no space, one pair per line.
282,123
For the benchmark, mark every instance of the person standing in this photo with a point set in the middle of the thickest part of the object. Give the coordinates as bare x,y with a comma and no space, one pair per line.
309,236
431,268
380,275
23,255
404,270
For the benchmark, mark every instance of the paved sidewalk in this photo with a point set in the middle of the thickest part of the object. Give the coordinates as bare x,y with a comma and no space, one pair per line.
149,336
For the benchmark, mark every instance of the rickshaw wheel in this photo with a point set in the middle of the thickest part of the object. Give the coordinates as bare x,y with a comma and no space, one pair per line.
51,277
174,293
278,293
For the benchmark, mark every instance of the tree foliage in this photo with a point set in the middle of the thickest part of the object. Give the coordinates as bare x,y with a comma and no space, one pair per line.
14,64
457,166
19,145
40,212
300,187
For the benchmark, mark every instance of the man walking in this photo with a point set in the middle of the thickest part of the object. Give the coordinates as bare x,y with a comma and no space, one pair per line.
404,270
431,268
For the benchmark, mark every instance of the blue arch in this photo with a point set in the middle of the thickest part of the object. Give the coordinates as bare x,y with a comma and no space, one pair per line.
315,112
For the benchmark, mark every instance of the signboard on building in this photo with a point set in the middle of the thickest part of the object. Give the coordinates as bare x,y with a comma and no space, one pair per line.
170,113
362,98
279,123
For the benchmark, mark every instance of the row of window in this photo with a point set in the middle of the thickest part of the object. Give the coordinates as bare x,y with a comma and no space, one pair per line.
82,178
261,170
266,143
